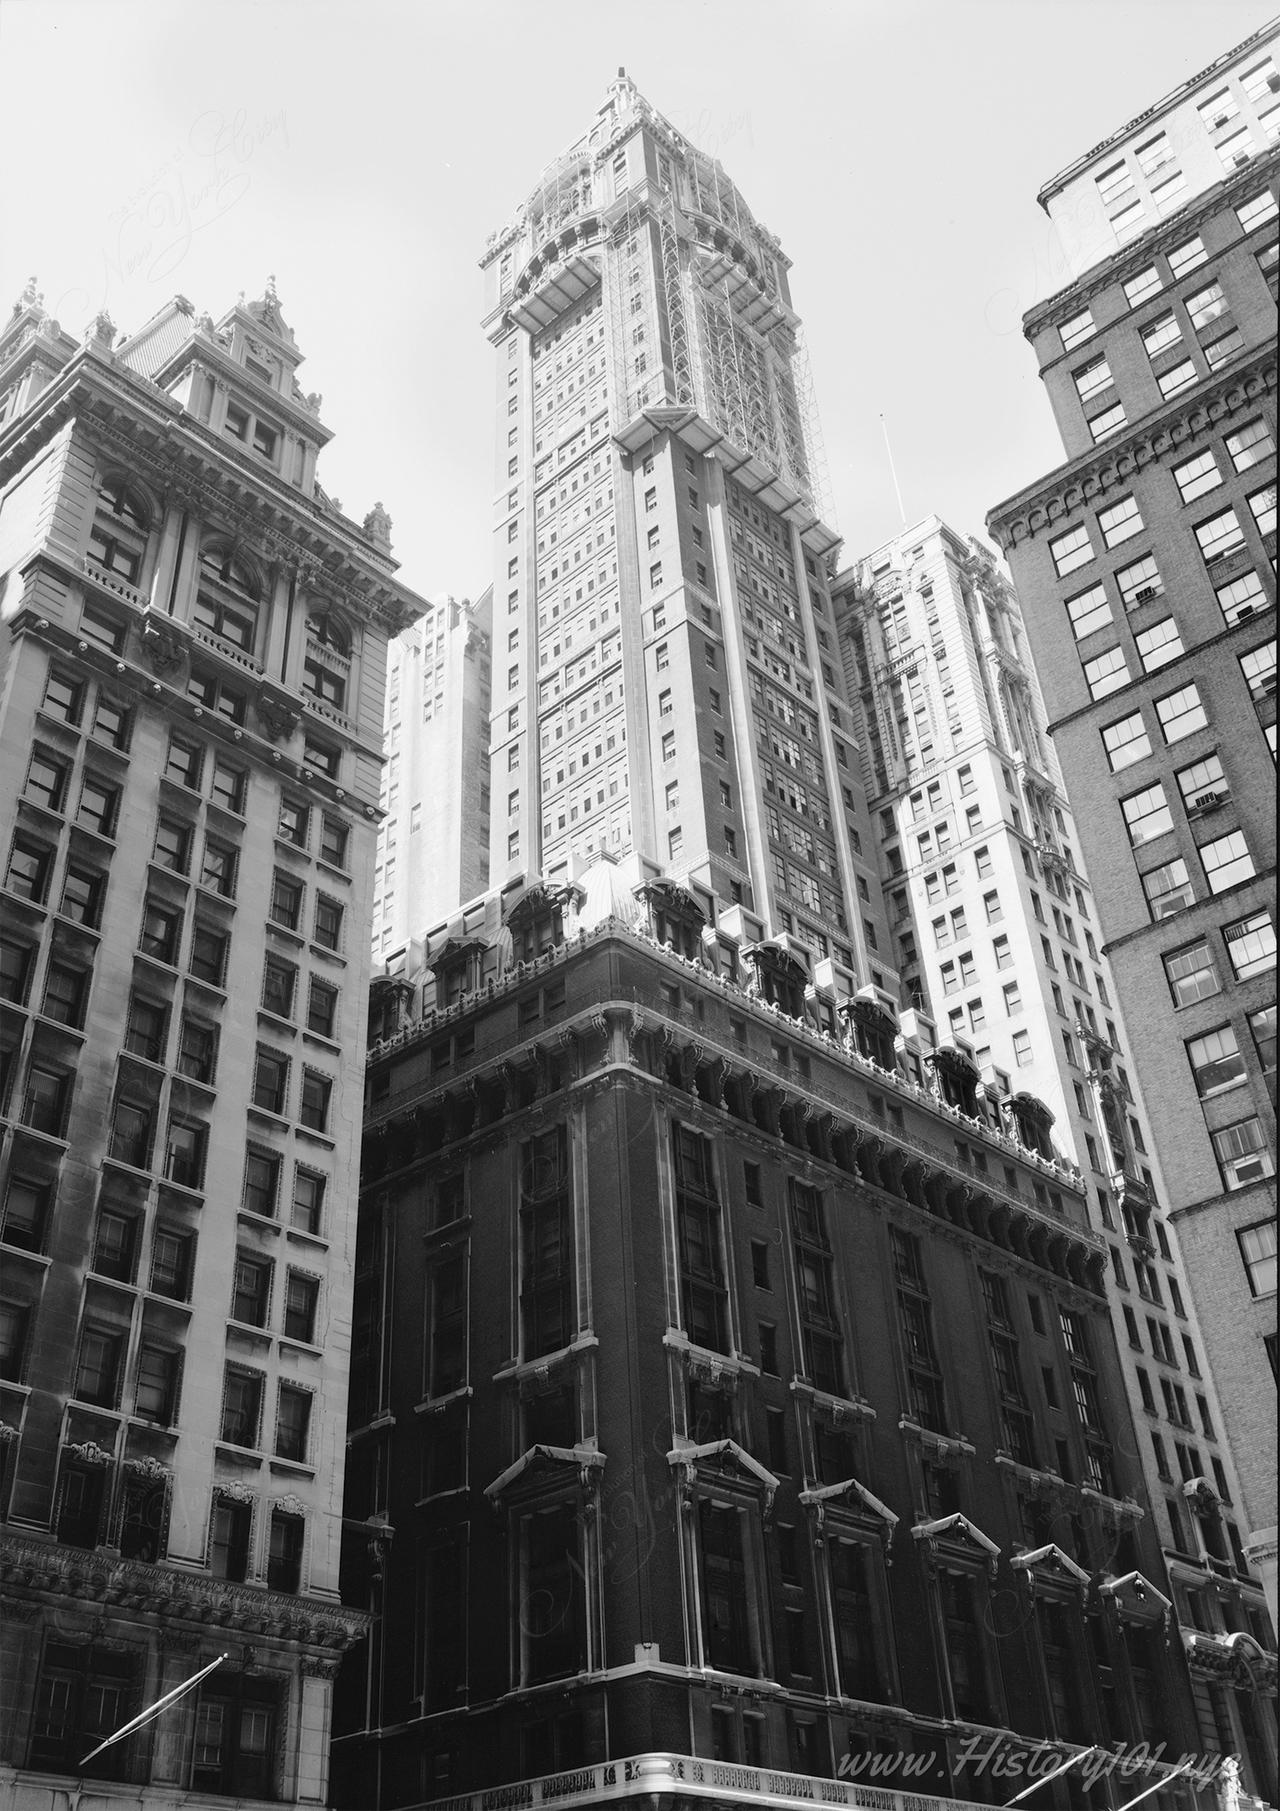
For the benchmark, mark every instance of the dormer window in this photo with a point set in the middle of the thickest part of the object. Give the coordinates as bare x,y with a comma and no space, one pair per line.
265,440
237,422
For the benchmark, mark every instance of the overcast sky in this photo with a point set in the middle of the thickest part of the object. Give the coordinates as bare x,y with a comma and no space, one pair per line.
363,152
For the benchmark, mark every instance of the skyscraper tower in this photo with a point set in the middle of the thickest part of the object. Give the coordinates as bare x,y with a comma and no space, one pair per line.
666,685
998,940
192,660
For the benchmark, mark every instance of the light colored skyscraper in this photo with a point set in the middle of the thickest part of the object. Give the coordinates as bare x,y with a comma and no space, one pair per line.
192,661
666,683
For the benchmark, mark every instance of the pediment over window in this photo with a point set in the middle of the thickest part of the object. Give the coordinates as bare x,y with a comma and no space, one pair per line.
542,1463
1050,1563
538,899
772,955
957,1536
670,896
724,1462
455,949
853,1500
1136,1597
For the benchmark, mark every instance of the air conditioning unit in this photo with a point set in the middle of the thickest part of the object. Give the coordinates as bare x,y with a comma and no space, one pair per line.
1268,685
1273,83
1221,120
1205,801
1140,597
1249,610
1240,159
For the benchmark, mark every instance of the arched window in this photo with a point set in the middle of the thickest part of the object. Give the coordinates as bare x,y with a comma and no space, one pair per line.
226,602
327,667
118,539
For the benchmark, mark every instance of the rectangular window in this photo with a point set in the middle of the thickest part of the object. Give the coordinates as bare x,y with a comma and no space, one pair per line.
1243,1155
1146,283
1250,444
1181,713
1071,550
328,923
322,1009
301,1303
1147,814
1179,377
1168,889
1258,1254
1216,1061
1187,256
307,1208
1106,673
313,1108
1197,475
1219,536
1092,378
1262,503
1226,861
1089,610
1159,644
1120,522
1192,973
241,1407
1126,741
1077,328
1251,945
1258,668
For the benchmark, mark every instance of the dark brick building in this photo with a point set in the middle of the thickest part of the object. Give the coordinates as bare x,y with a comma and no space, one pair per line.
732,1402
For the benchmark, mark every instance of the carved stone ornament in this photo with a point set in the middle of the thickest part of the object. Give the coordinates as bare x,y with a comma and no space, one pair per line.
162,647
277,715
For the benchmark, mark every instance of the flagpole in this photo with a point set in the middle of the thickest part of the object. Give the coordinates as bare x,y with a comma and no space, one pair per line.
155,1709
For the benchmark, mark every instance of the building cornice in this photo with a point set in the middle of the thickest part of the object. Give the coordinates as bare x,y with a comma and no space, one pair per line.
1096,474
101,1583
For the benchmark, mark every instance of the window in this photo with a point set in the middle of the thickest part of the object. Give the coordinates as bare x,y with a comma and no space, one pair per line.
1249,444
301,1301
98,1367
1259,669
322,1009
197,1051
1258,1254
1146,814
84,1692
1159,644
1206,305
1192,973
1168,889
328,923
227,787
1203,784
184,763
1226,861
172,846
261,1183
1187,256
335,838
1121,522
279,981
218,869
241,1406
270,1081
1146,283
65,989
286,901
1075,329
171,1264
1089,610
1216,1062
208,960
293,822
184,1154
1242,1153
98,805
26,1206
1178,377
1197,475
46,781
1071,550
1219,536
1126,742
313,1108
44,1100
1251,945
155,1392
1108,422
1092,378
102,628
1107,673
307,1209
1262,1029
1181,713
30,867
